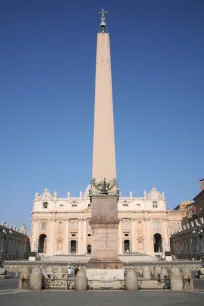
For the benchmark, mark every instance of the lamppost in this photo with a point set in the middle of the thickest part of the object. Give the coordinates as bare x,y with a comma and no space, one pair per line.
198,232
5,232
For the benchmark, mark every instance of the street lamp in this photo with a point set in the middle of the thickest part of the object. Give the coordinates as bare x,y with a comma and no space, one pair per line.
199,233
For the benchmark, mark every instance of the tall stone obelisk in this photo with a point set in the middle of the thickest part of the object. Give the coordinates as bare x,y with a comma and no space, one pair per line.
104,192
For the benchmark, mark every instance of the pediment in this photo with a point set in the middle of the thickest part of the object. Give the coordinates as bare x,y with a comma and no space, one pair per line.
154,194
46,195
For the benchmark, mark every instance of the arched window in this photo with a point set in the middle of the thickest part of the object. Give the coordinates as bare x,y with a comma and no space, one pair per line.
140,245
59,245
156,224
125,225
60,227
74,225
139,225
89,226
43,226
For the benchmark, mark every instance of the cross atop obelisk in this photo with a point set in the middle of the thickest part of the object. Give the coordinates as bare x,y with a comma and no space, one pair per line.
103,20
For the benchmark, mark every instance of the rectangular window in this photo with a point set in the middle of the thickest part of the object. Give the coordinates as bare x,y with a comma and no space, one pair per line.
45,204
155,205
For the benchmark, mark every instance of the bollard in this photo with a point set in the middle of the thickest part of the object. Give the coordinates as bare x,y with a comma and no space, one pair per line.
81,281
2,273
187,279
35,279
176,279
131,281
24,278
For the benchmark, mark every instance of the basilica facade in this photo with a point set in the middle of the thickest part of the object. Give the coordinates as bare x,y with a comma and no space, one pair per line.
61,226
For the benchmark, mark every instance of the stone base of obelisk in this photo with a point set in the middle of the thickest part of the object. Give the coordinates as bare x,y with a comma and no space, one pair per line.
104,247
104,269
105,278
104,225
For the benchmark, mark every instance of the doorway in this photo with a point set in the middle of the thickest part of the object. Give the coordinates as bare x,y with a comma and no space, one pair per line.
88,249
157,243
42,243
126,246
73,246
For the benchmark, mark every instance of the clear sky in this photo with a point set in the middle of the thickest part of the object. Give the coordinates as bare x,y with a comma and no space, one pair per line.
47,71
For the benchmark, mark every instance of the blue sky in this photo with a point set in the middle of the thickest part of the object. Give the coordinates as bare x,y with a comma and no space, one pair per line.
47,60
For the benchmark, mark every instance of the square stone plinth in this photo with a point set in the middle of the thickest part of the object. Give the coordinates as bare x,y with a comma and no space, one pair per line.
105,278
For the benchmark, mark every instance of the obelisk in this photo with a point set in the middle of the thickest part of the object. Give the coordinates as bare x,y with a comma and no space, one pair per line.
104,192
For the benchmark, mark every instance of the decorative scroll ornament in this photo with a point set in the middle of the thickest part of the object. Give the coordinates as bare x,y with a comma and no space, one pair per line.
104,187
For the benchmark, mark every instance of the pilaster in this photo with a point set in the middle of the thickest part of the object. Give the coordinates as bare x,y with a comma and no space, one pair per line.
79,237
85,235
66,247
133,233
120,251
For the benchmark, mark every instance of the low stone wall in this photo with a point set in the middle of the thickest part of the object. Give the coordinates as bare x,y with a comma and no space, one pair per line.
15,266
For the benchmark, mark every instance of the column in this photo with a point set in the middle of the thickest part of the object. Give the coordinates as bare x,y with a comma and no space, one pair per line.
133,234
165,237
148,238
85,235
52,237
79,237
66,246
82,237
120,238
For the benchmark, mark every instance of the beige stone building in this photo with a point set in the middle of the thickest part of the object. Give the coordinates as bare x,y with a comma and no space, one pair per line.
14,242
60,226
188,242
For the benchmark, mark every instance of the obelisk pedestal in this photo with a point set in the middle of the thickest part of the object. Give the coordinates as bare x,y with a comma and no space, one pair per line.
105,270
104,225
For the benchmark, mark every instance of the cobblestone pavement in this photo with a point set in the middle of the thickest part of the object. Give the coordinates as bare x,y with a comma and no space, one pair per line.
101,298
8,284
10,296
198,284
